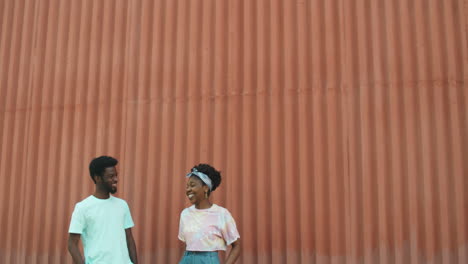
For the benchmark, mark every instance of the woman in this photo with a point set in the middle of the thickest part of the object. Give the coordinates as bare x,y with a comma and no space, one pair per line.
206,227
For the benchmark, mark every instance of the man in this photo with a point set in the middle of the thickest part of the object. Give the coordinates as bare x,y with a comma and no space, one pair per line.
102,221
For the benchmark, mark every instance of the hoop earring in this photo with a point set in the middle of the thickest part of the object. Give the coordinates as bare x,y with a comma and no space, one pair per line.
206,195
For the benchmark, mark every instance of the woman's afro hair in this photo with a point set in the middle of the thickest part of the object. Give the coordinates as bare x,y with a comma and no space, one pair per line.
213,174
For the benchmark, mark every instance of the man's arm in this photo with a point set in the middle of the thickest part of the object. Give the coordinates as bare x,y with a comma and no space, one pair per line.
131,246
73,240
234,253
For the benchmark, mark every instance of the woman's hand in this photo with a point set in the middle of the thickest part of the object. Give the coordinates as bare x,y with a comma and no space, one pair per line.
234,253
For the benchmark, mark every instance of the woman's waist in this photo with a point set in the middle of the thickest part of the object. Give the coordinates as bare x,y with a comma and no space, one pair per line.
206,253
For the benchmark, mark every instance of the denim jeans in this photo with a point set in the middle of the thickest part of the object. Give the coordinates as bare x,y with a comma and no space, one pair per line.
200,257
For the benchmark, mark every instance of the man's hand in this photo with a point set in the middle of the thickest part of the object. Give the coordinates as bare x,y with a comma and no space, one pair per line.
73,240
131,246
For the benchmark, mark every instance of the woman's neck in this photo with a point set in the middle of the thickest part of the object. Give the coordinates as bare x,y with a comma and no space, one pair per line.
205,204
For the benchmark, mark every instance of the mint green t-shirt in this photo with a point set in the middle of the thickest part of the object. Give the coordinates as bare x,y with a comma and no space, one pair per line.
101,224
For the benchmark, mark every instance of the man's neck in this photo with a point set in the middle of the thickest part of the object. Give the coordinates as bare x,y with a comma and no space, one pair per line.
101,194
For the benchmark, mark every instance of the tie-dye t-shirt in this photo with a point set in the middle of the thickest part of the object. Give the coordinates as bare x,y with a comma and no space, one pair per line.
209,229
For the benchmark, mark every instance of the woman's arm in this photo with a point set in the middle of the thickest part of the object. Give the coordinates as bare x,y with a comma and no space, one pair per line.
234,253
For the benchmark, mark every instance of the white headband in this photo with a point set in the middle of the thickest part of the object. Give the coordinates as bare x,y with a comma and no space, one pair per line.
202,177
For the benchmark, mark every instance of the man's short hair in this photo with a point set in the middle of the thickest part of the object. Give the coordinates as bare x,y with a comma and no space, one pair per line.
98,166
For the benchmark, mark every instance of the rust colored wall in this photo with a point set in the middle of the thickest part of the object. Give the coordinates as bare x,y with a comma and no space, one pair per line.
340,126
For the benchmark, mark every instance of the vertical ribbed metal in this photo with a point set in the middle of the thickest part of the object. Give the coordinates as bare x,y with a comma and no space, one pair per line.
340,127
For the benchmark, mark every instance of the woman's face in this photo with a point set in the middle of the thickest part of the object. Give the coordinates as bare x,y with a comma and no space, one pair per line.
195,190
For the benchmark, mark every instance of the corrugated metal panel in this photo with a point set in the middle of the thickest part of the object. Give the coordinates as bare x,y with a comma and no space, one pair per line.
340,126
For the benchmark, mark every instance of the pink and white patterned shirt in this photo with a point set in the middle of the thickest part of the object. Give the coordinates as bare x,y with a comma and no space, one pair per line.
209,229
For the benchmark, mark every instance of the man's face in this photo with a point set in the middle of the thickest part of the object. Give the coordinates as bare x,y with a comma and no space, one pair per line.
110,179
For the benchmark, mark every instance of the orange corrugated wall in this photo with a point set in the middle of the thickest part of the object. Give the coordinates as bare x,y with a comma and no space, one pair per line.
340,126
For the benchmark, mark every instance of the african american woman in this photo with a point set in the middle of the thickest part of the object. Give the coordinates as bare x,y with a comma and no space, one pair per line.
204,227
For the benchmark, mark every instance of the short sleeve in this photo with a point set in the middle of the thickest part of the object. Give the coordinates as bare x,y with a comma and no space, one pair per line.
128,221
77,223
181,229
229,231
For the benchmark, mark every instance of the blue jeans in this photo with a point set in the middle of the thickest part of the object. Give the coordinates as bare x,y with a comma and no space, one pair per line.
200,257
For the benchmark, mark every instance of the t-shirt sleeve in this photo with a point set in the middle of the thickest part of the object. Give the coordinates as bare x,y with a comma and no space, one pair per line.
128,221
77,223
181,228
230,233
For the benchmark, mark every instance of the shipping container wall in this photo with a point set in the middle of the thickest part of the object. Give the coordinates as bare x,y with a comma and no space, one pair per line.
340,127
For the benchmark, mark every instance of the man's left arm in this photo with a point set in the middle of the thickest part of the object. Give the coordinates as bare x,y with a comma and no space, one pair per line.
131,246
